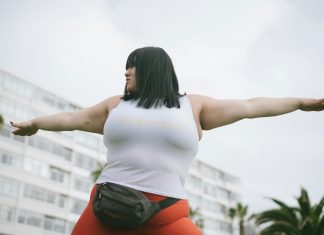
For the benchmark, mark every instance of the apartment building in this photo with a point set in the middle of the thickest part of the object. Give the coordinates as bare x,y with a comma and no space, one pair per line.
212,192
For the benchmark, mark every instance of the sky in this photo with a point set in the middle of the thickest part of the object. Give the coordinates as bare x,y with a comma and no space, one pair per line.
223,49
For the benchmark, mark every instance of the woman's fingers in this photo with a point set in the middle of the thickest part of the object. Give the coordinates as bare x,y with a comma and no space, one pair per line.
19,125
23,128
312,105
320,105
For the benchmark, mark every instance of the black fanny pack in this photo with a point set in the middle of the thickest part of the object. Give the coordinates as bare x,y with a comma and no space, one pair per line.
122,207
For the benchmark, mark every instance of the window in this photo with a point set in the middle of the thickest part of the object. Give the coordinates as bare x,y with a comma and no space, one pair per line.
61,105
54,224
50,146
8,186
7,214
35,166
67,153
208,188
58,175
72,107
62,151
48,99
225,194
231,179
19,138
207,171
67,134
85,162
44,195
70,227
195,182
19,87
30,218
9,159
78,206
50,197
226,227
62,201
34,192
82,183
39,142
53,101
208,205
221,208
5,131
87,139
17,110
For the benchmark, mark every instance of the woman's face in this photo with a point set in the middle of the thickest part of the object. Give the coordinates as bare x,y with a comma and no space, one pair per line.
130,79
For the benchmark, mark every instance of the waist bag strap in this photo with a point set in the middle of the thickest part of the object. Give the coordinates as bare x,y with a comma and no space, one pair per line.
167,202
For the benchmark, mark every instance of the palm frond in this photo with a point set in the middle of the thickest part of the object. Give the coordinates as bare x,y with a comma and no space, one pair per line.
289,211
320,227
231,213
318,208
274,215
280,228
304,203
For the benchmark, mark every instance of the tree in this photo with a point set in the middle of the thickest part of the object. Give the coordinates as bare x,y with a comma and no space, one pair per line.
196,217
1,122
95,174
231,215
240,212
304,219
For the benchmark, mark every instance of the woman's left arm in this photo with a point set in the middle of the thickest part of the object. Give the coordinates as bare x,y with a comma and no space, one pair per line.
266,107
215,112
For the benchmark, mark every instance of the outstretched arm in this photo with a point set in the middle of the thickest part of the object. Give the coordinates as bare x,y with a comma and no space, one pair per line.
215,112
90,119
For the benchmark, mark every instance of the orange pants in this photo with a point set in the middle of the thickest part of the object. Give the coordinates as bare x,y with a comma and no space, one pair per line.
173,220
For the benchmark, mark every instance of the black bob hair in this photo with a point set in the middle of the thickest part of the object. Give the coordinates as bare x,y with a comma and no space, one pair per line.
156,80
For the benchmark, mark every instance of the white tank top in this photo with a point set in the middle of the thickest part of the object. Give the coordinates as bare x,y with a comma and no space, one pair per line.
150,149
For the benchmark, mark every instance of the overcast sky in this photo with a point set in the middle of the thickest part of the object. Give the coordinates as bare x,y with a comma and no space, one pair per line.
224,49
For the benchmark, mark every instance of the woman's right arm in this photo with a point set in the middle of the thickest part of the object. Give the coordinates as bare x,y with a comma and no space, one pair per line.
90,119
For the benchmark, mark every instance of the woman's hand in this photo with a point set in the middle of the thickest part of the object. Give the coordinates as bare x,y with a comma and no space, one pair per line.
312,104
24,128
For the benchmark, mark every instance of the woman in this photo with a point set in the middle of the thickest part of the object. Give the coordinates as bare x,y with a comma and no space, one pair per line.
152,134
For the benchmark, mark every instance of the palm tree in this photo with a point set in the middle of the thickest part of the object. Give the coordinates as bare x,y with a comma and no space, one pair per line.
1,121
304,219
240,212
231,215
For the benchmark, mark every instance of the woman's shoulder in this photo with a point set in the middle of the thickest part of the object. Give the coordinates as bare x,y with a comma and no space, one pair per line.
195,99
196,102
113,101
201,99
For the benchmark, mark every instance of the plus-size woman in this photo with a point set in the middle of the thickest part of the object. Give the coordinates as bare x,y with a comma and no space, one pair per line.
152,134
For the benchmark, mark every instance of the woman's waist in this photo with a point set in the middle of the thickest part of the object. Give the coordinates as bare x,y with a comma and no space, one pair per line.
167,215
159,183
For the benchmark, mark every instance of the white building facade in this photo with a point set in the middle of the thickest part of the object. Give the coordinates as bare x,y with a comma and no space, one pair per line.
212,192
45,178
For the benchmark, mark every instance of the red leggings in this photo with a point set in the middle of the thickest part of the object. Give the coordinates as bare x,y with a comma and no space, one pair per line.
173,220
